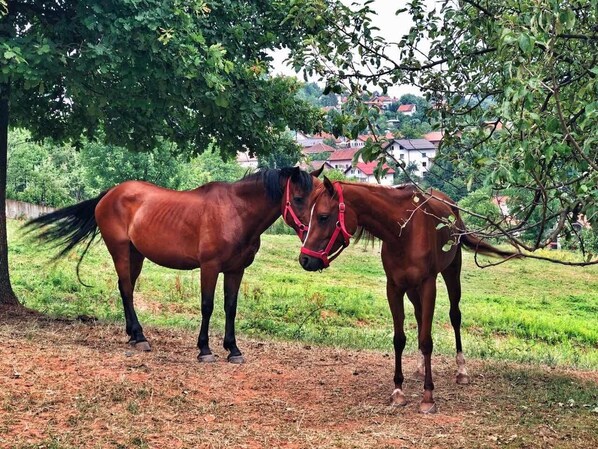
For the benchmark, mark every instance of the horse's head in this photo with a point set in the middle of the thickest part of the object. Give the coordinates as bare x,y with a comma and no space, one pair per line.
328,234
295,201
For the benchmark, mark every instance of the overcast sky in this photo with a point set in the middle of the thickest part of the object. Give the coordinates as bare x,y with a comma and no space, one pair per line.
392,27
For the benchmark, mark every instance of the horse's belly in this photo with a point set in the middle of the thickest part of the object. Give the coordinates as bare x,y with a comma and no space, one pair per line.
168,255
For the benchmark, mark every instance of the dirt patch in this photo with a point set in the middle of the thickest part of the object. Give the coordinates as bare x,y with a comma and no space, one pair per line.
76,384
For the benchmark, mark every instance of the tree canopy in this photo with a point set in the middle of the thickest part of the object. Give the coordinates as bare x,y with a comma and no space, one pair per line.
513,85
136,73
190,72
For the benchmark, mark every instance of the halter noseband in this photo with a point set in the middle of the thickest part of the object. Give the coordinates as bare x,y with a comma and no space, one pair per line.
301,228
339,229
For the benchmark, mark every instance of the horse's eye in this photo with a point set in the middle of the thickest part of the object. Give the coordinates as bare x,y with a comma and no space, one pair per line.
298,200
322,218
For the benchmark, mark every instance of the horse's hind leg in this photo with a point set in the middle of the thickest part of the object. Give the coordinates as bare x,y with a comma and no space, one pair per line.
128,262
413,296
208,286
452,279
232,281
427,292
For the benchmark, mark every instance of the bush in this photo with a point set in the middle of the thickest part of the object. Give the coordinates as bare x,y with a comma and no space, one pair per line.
479,202
589,237
280,228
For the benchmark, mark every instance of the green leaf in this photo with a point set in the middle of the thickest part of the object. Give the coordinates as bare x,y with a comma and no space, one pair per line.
525,43
553,124
447,246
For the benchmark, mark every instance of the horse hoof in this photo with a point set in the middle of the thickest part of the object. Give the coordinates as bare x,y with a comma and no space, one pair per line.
237,359
462,379
397,398
427,408
206,358
143,346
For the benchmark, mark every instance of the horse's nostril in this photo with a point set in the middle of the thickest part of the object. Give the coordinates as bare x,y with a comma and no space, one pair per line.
304,260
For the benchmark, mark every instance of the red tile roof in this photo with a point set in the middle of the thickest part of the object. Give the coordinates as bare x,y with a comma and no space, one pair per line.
406,108
318,148
434,136
368,167
343,155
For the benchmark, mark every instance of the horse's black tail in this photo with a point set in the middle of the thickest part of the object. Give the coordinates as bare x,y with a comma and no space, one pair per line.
67,227
478,245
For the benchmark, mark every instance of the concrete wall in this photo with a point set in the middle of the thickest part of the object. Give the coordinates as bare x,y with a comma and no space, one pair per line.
19,209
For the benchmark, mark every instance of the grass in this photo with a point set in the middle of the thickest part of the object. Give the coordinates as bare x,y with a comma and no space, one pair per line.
520,311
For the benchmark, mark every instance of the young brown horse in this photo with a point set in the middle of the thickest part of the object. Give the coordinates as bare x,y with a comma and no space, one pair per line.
422,235
216,227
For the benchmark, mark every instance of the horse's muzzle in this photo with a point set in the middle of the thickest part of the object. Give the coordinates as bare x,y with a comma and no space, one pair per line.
310,263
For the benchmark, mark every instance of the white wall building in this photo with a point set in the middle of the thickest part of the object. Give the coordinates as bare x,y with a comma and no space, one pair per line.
247,161
364,172
418,151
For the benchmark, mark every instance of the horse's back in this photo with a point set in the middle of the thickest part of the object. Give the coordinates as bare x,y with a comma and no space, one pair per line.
162,224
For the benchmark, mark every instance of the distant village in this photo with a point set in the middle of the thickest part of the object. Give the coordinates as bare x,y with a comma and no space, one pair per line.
338,153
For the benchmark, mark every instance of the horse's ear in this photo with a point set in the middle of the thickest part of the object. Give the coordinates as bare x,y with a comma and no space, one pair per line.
318,172
295,173
329,186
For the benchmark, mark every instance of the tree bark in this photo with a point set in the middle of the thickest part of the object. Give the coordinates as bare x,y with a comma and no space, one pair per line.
7,296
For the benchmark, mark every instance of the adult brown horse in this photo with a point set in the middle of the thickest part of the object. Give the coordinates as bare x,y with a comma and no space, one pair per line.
422,235
216,227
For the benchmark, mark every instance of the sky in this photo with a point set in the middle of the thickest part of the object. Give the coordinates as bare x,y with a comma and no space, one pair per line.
392,27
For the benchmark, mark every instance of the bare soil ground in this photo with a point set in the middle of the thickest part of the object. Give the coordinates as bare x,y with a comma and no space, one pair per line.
73,384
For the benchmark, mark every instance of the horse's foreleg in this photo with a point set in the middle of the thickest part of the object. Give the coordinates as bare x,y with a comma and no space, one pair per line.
208,286
232,281
395,297
427,292
452,279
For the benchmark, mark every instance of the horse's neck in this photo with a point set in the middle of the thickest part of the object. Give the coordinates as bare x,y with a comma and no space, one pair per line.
375,209
256,207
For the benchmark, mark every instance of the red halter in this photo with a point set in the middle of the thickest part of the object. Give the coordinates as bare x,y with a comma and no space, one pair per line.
301,229
339,229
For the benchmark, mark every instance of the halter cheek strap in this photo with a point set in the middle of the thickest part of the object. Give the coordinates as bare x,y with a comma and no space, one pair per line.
300,228
340,228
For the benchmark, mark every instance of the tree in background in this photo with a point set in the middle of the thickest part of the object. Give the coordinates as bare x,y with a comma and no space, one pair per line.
441,176
140,74
42,173
60,175
287,154
513,83
408,175
209,166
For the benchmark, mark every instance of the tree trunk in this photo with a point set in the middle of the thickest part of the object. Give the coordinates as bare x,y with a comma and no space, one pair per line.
7,296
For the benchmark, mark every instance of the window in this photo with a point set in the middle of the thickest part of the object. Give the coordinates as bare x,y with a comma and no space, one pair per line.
424,155
402,156
424,164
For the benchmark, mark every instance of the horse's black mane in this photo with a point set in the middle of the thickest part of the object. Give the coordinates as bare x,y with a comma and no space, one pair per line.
272,180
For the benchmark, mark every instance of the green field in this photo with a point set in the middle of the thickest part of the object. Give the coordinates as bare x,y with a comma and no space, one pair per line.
527,311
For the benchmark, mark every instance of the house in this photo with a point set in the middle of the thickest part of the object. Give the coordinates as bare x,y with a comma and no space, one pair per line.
363,139
244,159
307,141
343,158
407,109
318,148
434,137
417,151
381,101
316,165
364,172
